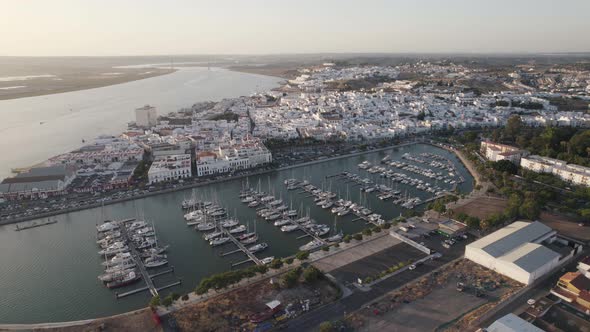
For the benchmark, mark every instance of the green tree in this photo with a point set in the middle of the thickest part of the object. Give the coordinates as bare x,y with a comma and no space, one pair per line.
311,274
461,216
473,222
155,301
514,203
290,278
302,255
421,116
326,327
276,263
579,144
585,213
513,127
470,136
505,166
529,209
167,301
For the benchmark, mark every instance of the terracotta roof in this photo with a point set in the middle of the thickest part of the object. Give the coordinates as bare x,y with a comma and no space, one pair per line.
568,277
584,295
581,282
562,292
206,154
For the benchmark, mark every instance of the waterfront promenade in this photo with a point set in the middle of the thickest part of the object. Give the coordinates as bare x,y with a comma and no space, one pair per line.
100,202
165,212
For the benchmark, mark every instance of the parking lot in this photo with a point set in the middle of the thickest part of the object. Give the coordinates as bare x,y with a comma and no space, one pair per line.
360,298
372,265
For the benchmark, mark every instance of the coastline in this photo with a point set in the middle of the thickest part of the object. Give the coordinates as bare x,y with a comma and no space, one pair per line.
123,315
195,185
283,72
87,86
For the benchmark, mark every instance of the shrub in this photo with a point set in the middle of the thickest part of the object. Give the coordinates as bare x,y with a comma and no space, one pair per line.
155,301
386,226
302,255
184,297
175,296
376,229
326,327
276,263
167,301
367,280
289,260
262,269
367,231
358,236
347,238
290,278
325,248
311,274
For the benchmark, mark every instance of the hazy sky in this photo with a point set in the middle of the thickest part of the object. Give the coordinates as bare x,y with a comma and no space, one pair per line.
145,27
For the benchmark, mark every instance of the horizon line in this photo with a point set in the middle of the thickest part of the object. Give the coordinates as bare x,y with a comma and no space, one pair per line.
443,53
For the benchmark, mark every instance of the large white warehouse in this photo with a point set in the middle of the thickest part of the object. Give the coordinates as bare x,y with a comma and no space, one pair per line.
516,251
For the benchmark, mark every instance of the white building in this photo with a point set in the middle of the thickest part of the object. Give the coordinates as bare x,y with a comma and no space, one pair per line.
172,167
516,251
146,117
234,157
575,174
497,152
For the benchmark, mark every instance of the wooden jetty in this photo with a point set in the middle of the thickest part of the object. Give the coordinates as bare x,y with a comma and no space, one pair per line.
241,247
143,271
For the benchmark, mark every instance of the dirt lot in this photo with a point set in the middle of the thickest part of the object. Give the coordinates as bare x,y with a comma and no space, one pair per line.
426,314
231,311
482,207
432,301
566,226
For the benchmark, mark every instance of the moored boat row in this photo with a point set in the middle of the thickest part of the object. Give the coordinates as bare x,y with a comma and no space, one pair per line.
125,244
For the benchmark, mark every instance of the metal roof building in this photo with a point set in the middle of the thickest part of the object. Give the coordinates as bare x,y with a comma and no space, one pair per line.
512,323
37,181
516,251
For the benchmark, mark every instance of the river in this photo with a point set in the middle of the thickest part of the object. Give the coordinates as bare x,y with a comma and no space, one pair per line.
49,273
36,128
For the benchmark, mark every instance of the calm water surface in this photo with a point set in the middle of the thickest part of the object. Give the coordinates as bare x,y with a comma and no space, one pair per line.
36,128
49,273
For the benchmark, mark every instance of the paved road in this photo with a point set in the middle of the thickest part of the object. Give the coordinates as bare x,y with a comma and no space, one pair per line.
358,298
519,304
